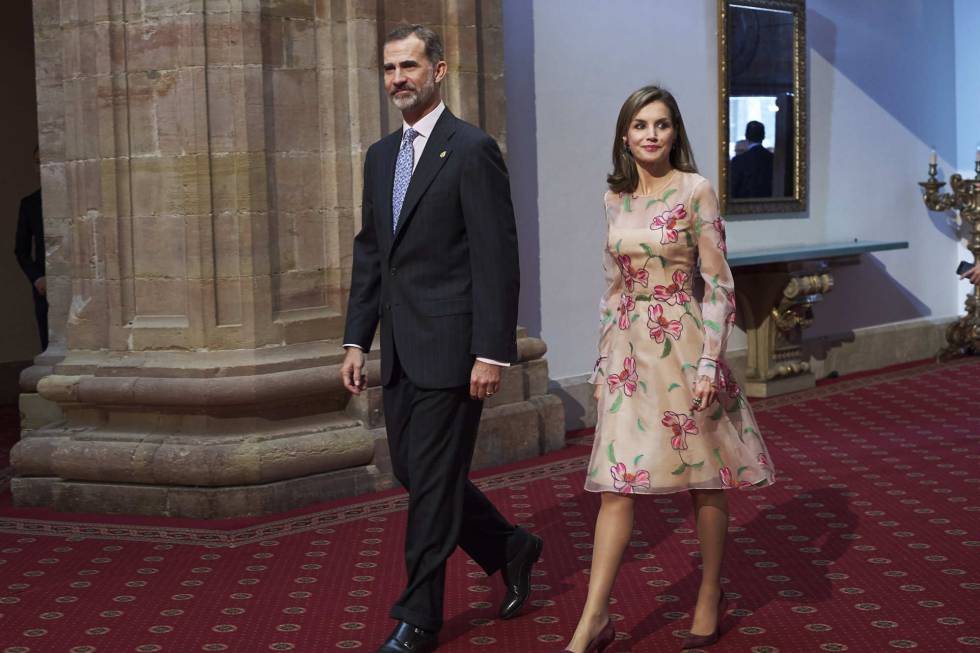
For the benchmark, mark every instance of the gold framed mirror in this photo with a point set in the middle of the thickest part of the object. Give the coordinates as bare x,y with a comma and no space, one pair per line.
762,77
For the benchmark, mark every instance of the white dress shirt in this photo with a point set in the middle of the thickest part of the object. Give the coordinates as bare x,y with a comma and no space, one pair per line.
424,127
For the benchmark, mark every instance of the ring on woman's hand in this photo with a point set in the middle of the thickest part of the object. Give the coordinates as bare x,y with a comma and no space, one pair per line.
697,401
489,394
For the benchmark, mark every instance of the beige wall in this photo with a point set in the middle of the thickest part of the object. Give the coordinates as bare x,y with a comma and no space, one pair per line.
18,177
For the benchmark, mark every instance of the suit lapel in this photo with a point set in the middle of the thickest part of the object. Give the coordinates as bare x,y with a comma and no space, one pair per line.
434,156
388,157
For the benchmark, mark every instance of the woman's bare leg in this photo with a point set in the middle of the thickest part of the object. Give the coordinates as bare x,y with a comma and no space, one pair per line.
613,528
711,515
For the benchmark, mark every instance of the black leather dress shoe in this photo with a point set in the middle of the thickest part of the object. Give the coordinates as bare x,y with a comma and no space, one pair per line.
517,576
406,638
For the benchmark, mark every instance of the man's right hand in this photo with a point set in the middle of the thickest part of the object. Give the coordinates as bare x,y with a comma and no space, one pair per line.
352,372
41,285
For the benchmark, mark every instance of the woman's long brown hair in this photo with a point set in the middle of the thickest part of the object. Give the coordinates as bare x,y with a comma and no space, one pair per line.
624,178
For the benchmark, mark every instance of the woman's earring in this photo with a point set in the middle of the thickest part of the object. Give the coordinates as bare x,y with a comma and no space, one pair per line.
629,152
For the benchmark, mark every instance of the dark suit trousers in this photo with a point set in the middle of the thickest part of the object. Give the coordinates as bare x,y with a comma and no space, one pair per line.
431,436
41,315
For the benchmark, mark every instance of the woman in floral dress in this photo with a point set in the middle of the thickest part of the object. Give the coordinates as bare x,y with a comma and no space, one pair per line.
671,417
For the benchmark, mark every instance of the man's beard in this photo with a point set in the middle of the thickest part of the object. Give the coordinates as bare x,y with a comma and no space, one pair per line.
418,97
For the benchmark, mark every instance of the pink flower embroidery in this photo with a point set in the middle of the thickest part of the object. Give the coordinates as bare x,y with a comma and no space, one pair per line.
728,480
730,298
674,293
666,223
660,326
763,460
719,225
626,304
726,477
682,426
626,379
625,482
630,275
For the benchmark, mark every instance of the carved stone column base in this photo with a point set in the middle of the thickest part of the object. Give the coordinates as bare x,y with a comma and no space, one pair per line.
247,433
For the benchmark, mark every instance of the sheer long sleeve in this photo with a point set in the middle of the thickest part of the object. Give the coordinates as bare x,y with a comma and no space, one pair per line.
718,302
606,310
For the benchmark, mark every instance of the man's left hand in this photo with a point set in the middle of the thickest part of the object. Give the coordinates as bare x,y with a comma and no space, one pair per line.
484,380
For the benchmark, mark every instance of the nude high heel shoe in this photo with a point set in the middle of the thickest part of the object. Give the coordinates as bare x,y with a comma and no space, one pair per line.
601,641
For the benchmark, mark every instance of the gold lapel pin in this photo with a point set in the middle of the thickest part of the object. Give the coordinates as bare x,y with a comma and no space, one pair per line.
442,155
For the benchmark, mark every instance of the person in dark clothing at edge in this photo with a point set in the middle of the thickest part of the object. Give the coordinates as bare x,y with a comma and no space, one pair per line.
29,249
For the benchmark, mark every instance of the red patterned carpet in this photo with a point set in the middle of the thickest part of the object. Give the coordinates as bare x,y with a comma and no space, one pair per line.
867,543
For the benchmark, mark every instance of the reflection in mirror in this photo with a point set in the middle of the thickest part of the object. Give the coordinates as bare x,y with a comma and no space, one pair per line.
761,83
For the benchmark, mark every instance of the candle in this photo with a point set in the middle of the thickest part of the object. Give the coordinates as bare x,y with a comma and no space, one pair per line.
932,158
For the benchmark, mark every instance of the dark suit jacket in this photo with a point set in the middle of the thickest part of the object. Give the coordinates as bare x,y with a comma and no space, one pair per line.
445,285
752,173
29,243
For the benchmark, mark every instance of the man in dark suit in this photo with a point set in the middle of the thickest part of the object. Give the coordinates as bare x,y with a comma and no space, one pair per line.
29,249
752,170
436,261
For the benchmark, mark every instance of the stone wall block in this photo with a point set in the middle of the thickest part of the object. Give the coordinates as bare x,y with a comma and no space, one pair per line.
461,12
299,44
291,106
507,433
536,378
368,407
551,422
87,306
289,8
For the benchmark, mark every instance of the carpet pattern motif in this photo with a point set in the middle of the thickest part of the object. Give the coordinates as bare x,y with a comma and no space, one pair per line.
868,542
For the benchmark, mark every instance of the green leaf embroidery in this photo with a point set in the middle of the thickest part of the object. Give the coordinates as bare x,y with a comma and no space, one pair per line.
642,298
697,228
643,385
740,470
750,430
666,347
696,465
648,250
652,202
688,366
606,317
717,453
627,203
673,386
690,241
611,454
714,326
617,404
634,317
688,313
667,195
696,206
718,413
599,370
593,472
636,461
679,470
618,243
639,425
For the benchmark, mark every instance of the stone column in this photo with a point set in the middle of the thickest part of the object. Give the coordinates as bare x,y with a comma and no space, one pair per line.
207,155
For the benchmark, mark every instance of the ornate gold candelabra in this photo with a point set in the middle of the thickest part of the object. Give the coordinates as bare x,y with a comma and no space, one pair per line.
963,336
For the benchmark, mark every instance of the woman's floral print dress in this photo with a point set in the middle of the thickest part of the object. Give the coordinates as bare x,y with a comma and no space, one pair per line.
656,338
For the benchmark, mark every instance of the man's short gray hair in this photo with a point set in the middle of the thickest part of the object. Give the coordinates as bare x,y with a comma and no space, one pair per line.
433,44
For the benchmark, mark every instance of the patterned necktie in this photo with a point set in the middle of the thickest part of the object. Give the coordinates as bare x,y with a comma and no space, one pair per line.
403,174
